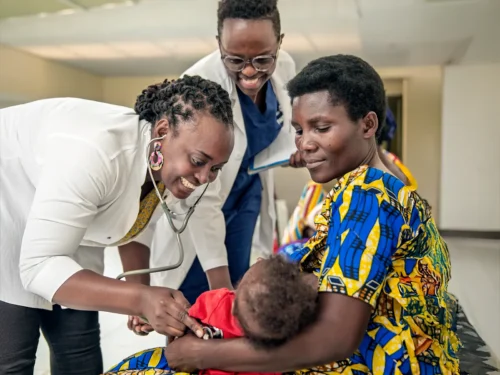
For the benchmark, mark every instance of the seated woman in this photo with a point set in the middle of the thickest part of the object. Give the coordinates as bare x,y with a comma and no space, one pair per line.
300,227
382,265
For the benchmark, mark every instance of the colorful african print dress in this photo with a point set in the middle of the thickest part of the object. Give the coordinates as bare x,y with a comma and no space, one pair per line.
376,241
147,362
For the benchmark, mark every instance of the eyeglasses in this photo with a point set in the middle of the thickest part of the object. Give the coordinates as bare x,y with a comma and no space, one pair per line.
260,63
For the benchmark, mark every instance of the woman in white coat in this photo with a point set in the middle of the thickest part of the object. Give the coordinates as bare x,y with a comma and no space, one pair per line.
75,177
251,67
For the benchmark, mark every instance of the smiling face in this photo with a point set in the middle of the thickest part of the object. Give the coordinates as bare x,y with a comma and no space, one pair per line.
194,152
247,39
330,142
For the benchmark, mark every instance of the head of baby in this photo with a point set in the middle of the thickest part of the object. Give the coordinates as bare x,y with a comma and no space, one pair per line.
275,301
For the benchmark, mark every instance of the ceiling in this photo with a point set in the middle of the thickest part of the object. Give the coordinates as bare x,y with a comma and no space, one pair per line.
22,8
163,37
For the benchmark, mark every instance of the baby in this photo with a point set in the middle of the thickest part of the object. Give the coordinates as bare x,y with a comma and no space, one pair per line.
272,304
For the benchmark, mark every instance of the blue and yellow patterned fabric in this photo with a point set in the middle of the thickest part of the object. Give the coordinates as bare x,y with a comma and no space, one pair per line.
148,362
376,241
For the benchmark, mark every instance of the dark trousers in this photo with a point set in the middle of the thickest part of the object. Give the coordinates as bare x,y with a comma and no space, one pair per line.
73,337
239,235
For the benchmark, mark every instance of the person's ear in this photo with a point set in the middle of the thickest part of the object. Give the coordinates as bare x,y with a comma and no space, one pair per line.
310,279
370,125
162,127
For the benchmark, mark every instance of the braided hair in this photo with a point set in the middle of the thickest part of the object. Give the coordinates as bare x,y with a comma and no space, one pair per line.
179,99
249,10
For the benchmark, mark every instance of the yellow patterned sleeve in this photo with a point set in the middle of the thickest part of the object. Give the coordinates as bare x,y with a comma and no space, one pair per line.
362,237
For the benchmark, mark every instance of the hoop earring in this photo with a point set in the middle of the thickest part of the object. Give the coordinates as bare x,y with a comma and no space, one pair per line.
156,158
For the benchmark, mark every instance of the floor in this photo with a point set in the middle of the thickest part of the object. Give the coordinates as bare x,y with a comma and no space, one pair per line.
476,282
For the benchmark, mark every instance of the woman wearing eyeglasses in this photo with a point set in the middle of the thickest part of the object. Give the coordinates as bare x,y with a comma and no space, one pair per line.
251,67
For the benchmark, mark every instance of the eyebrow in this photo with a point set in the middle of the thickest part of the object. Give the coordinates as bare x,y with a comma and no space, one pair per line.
314,120
266,52
205,155
318,118
210,158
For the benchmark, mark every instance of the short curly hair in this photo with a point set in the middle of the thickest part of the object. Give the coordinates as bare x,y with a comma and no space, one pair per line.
249,10
349,80
280,302
179,99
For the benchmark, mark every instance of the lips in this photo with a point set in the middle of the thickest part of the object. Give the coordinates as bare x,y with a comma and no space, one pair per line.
187,184
312,164
250,83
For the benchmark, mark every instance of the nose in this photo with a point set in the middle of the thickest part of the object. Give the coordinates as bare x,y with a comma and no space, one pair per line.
204,175
249,71
306,143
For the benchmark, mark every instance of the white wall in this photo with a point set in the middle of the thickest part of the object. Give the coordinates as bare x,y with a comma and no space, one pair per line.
470,169
25,77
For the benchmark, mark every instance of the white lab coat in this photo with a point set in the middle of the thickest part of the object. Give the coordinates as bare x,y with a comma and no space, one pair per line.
206,231
71,172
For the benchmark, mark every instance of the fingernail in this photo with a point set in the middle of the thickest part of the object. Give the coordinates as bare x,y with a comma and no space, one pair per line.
200,333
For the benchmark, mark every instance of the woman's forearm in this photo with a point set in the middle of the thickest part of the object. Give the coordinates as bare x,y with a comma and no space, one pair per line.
334,336
219,278
87,290
240,356
135,256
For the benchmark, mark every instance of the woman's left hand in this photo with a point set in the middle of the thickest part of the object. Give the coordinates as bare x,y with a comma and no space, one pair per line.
296,160
182,353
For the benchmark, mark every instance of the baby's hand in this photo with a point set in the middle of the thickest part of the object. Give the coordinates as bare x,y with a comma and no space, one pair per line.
139,326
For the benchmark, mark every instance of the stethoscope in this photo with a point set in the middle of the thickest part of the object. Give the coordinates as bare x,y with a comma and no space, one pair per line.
170,217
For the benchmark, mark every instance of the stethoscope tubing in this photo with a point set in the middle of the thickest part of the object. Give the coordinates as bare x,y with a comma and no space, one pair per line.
170,218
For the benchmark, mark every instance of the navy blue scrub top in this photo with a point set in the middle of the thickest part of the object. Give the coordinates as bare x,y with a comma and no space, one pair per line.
242,206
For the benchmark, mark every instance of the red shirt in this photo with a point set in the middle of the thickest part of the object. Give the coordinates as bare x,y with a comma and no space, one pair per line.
214,308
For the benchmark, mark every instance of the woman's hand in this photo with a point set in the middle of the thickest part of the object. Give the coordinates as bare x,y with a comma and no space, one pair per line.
182,354
139,326
166,310
296,160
